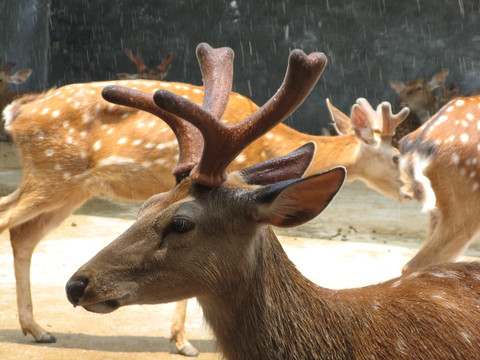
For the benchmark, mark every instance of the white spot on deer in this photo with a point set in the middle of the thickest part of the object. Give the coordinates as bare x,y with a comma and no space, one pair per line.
56,113
241,158
109,131
475,186
49,152
67,175
111,107
176,86
478,125
98,108
463,171
450,108
71,131
92,92
455,158
464,123
159,162
185,96
470,116
420,163
151,123
41,135
69,100
238,96
165,84
83,133
140,125
269,136
76,105
58,167
66,123
124,116
137,142
45,111
86,118
97,146
184,87
69,140
197,91
472,174
123,83
149,146
8,114
147,164
83,154
441,119
464,138
459,102
115,160
474,161
123,140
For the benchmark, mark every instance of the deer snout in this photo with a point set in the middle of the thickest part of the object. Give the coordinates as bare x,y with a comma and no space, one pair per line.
75,290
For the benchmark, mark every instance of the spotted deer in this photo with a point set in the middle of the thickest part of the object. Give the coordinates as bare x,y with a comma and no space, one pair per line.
158,73
440,164
418,95
74,145
210,237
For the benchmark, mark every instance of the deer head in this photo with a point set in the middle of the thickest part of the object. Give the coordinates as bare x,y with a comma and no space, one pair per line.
185,238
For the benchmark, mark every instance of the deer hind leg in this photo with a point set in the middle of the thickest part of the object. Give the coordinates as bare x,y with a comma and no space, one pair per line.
24,238
178,330
447,238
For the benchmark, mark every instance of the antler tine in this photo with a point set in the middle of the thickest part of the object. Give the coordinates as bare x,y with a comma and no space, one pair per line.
189,139
223,143
165,62
217,71
372,115
391,121
137,60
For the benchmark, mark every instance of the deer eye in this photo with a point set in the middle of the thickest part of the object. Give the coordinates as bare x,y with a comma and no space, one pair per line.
182,225
395,159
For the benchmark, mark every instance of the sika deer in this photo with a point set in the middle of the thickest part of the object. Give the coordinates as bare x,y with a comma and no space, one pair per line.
418,95
74,145
209,237
440,162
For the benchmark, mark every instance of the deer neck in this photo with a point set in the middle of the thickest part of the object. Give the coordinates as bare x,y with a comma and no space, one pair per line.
271,311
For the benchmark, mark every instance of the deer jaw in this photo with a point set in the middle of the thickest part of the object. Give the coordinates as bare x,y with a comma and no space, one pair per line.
384,178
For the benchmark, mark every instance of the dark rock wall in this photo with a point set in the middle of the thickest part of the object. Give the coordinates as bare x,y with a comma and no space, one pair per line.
368,43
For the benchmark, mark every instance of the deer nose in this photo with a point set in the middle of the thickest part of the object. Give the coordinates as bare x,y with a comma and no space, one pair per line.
75,290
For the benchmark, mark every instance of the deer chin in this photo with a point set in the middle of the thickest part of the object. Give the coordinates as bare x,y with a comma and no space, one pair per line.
107,306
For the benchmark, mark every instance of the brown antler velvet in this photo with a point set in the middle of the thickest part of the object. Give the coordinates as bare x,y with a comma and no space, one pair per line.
223,142
217,70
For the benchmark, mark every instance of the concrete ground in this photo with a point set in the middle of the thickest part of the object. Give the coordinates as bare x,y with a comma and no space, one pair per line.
362,238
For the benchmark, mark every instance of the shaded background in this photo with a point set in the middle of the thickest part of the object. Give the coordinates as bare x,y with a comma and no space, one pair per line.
368,43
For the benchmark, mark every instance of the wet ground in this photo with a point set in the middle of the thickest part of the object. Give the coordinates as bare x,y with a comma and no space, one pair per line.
362,238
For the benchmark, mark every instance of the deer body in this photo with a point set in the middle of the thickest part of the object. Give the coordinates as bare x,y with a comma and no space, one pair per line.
210,237
256,301
440,162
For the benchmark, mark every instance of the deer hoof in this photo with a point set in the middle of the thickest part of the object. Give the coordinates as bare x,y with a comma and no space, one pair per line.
46,338
188,350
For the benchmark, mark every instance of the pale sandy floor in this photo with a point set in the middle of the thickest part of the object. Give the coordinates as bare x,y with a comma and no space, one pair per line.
367,239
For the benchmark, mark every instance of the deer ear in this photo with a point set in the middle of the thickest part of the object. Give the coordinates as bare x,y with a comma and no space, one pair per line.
20,76
361,124
398,86
290,166
341,121
294,202
438,79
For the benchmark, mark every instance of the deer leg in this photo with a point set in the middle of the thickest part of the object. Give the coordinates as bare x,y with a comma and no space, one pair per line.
24,238
446,240
178,330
